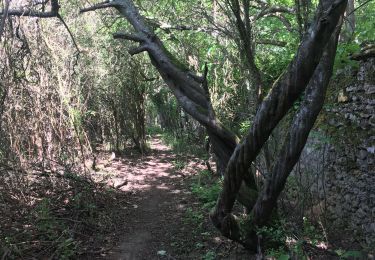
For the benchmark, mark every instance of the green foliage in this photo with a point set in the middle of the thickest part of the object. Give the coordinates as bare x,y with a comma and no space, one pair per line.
47,224
365,30
53,229
183,145
194,219
281,256
154,130
350,254
210,255
206,189
274,236
344,50
278,253
179,165
244,127
106,100
66,248
311,232
273,60
179,145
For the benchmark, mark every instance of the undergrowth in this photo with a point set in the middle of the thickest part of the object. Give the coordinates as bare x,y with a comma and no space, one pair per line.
181,144
55,215
206,189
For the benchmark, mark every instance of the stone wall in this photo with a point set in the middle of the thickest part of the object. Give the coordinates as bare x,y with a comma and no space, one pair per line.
349,185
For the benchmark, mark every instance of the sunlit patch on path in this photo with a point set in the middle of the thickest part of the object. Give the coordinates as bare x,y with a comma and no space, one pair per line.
156,206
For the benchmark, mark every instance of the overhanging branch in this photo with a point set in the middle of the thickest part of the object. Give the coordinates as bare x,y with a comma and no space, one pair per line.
102,5
273,108
130,37
137,50
271,42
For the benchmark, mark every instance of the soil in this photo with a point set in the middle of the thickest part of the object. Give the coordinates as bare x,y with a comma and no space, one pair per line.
155,224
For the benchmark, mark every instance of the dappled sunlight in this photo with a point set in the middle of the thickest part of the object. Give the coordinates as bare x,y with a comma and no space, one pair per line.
146,173
162,187
159,197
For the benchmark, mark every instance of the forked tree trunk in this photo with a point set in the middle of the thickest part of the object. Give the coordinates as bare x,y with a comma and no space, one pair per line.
192,94
275,106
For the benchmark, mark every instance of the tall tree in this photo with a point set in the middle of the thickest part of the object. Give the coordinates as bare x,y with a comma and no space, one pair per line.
310,68
192,93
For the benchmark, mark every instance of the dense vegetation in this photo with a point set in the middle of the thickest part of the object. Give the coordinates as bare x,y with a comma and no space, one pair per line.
79,78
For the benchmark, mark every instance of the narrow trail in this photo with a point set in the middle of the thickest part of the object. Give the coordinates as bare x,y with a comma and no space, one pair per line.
157,203
161,218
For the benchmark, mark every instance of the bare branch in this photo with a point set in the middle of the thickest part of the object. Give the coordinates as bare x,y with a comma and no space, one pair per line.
271,42
102,5
360,6
138,50
2,22
273,108
273,10
67,28
130,37
282,19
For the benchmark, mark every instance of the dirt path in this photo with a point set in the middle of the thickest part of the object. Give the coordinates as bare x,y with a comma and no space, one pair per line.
162,218
157,203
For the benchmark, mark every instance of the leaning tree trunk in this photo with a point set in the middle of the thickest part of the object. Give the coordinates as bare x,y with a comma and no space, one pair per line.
275,106
192,94
187,87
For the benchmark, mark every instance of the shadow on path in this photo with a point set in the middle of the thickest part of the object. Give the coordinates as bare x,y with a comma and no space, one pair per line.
155,210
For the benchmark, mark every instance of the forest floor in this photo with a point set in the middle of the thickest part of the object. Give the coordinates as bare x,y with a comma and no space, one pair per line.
132,207
161,220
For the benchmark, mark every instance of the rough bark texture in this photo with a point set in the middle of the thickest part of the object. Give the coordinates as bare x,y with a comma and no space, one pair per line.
188,88
282,96
297,135
194,99
312,65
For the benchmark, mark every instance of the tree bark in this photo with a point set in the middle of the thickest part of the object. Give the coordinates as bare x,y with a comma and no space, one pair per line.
194,98
186,86
297,135
275,106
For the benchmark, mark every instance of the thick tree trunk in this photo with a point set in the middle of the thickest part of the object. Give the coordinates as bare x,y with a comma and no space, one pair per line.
282,96
349,24
297,135
187,87
192,94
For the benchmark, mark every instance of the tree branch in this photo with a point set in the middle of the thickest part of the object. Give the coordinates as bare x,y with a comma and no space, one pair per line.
297,136
274,107
4,17
102,5
273,10
67,28
31,13
271,42
130,37
137,50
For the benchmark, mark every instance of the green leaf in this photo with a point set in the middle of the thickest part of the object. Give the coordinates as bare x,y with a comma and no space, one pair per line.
283,257
352,253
